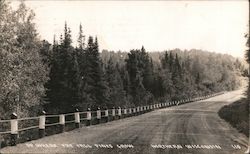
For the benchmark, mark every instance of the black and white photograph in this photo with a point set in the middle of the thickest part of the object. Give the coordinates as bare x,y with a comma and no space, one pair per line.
124,77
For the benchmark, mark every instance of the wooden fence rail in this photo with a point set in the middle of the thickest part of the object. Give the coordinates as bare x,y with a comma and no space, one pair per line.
87,116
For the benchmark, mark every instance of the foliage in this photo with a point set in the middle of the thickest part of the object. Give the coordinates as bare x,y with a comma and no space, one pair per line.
237,114
82,77
23,73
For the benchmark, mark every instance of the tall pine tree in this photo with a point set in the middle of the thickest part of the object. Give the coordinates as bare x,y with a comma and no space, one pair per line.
63,88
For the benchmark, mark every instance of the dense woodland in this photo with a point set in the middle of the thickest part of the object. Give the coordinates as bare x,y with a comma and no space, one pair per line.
237,113
248,60
60,77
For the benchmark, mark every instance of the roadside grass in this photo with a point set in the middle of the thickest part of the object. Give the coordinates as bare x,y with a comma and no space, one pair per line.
237,114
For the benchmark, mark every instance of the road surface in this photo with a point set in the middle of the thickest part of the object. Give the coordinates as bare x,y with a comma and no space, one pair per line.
189,128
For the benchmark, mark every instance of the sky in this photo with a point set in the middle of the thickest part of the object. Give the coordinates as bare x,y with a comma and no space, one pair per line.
216,26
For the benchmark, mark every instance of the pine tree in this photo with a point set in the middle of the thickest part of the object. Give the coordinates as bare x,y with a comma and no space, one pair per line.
147,71
95,75
117,95
63,90
101,87
81,38
84,96
165,61
177,77
171,61
135,65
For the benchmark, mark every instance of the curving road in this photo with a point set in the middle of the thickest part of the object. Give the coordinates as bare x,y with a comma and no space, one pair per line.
189,128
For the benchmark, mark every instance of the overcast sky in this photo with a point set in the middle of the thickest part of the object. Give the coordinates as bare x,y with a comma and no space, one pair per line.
217,26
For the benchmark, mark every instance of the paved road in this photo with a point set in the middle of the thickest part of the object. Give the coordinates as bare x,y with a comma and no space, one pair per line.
189,128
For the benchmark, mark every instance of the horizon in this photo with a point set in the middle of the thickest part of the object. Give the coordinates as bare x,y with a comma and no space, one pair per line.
159,25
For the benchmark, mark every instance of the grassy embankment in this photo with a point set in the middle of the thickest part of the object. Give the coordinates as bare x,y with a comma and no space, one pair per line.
237,114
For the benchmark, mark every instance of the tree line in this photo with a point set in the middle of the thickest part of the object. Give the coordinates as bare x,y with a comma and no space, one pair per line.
83,77
59,77
248,60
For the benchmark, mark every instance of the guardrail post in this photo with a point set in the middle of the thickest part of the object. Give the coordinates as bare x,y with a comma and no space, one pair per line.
88,122
106,115
119,112
113,113
125,112
98,115
62,122
14,129
77,119
130,112
134,111
138,110
42,119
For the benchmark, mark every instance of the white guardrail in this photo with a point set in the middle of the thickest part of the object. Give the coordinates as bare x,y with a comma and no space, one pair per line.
87,116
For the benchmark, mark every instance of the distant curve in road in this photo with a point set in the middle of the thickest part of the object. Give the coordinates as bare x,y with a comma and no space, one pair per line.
190,128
